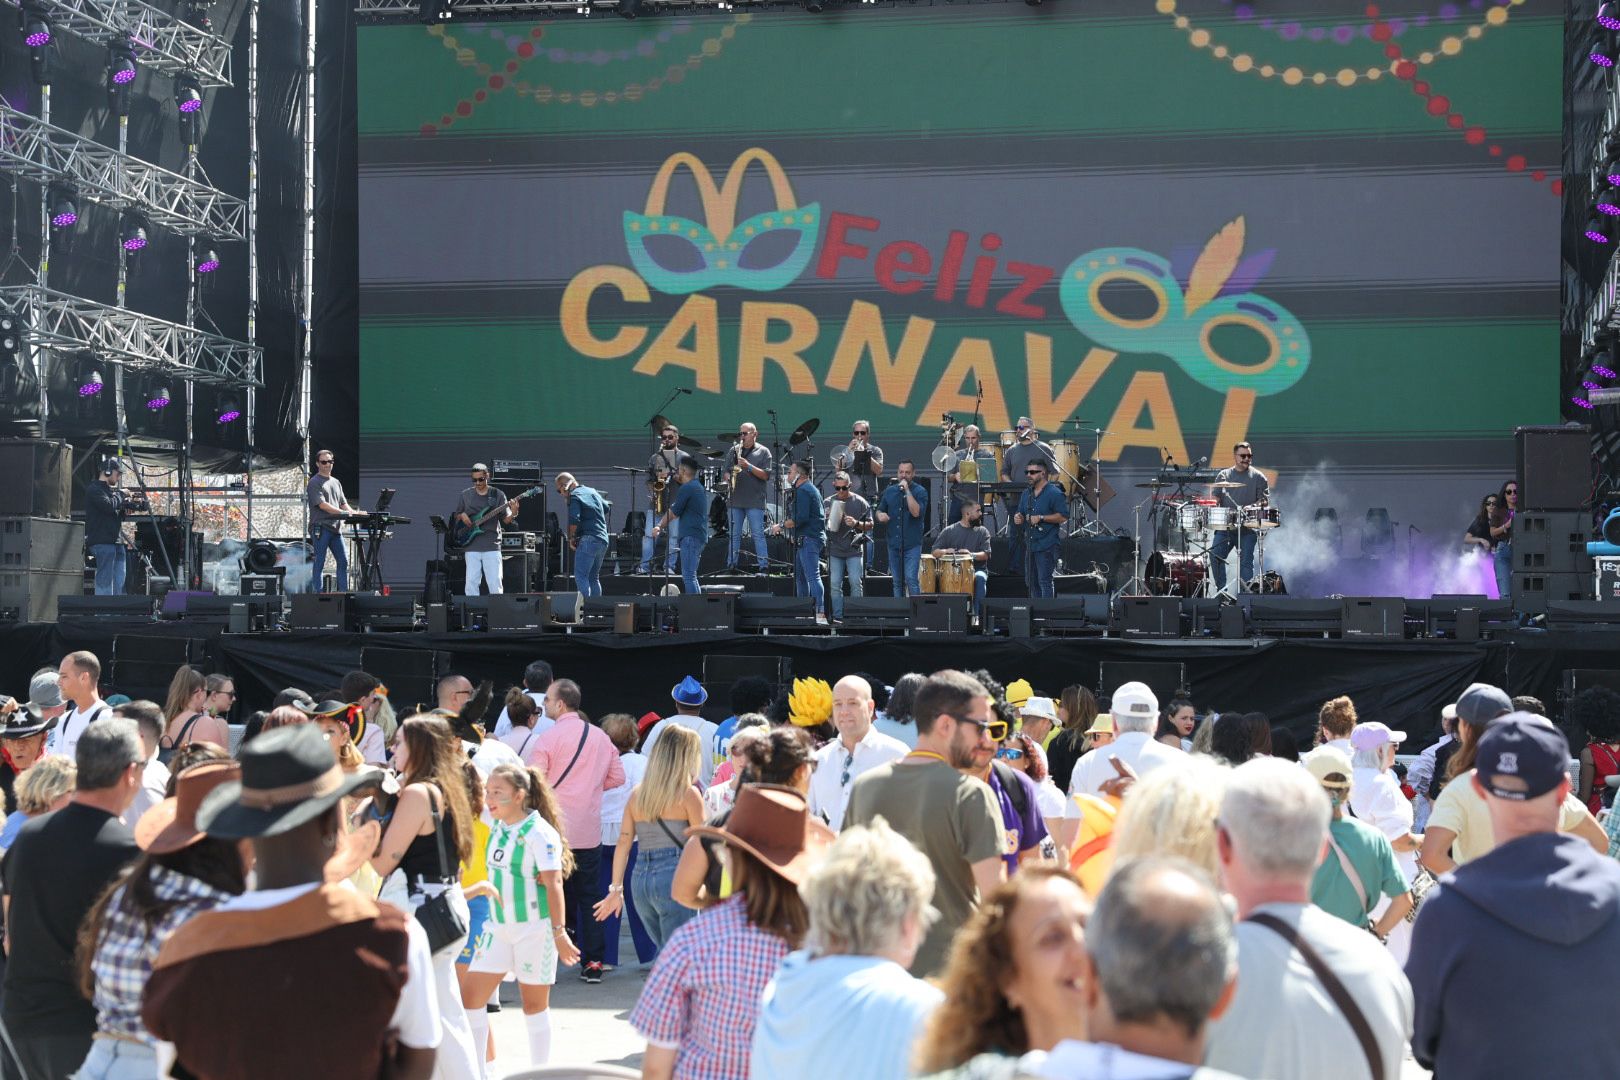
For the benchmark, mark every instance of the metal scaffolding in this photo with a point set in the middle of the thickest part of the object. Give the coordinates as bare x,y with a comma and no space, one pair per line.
165,43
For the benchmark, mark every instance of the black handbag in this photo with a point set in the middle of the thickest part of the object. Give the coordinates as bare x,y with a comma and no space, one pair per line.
444,923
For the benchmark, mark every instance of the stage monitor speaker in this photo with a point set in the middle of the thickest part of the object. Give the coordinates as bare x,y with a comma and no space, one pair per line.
706,611
877,614
396,611
1150,616
624,618
1294,615
104,607
411,675
516,611
321,611
1167,680
1554,467
40,543
1373,618
1032,616
39,478
564,608
941,613
1573,613
238,614
520,571
758,611
438,618
143,665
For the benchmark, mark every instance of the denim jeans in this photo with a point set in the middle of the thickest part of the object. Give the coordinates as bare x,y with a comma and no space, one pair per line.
691,548
1503,559
1042,565
588,558
645,949
580,894
485,566
1225,541
327,538
756,529
905,566
118,1059
807,573
981,586
111,565
653,880
672,548
839,567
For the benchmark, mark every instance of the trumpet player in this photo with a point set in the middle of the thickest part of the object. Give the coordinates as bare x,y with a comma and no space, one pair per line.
748,465
862,459
982,471
849,520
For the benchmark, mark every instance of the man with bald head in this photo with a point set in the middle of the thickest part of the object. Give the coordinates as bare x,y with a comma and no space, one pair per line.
748,467
587,532
859,747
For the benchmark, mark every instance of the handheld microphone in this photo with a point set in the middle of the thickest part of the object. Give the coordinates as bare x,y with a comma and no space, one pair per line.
1202,462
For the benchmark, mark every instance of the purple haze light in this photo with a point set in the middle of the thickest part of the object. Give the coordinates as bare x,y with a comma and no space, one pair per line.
1602,59
1608,208
64,219
1606,17
158,403
1599,369
36,38
123,76
1582,402
208,266
1596,237
1590,385
135,243
230,415
190,106
90,389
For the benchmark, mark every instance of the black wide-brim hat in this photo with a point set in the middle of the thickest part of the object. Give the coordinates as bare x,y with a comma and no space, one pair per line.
24,722
289,777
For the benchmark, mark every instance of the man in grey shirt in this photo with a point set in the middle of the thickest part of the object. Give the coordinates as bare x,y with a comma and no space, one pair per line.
661,485
1254,488
750,465
328,509
1025,449
968,536
483,551
849,522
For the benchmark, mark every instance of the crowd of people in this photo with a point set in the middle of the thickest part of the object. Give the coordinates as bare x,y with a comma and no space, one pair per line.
946,877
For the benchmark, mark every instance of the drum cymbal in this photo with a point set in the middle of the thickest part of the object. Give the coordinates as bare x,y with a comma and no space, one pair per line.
804,431
689,442
728,436
1224,484
1158,483
659,422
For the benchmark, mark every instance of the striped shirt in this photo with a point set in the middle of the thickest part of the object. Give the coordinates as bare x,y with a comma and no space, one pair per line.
516,856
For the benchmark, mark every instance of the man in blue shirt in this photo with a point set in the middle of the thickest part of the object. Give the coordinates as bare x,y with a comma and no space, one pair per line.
587,532
1042,510
808,526
904,508
691,509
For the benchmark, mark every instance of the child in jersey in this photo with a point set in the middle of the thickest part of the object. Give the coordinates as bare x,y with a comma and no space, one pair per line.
526,862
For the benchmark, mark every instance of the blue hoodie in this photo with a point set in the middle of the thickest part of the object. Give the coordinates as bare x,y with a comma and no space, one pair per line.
1511,962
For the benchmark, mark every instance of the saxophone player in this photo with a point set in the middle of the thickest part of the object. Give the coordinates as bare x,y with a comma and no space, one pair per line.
748,464
661,486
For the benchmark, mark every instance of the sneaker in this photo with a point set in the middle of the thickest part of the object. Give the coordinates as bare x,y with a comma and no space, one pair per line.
591,972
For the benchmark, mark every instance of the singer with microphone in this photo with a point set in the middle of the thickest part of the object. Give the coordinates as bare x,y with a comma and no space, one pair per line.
1042,510
1252,489
903,507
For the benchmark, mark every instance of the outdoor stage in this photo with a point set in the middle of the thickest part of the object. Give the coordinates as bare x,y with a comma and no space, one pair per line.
1404,684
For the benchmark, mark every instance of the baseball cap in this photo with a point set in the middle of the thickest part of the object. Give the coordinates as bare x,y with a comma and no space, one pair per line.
1373,735
1134,699
1329,765
1018,692
1521,757
1482,703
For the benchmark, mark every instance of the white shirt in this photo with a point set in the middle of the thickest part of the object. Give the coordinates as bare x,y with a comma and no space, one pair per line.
1138,749
1419,776
829,786
1375,797
1342,744
490,753
1282,1024
503,723
416,1017
373,745
520,739
154,778
614,800
705,731
66,733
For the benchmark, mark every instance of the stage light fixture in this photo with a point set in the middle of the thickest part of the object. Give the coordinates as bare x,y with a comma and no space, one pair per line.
1580,402
1603,55
207,261
121,73
434,11
132,233
1608,16
88,376
188,102
34,24
1600,367
1596,230
629,9
10,333
64,206
1608,201
158,398
230,410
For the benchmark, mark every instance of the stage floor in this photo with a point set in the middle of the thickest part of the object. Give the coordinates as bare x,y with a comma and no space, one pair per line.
1403,684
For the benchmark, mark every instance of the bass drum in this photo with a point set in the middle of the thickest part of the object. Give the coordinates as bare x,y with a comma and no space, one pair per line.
1066,453
1170,573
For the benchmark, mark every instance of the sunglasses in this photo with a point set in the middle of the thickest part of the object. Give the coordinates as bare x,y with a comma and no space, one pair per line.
840,487
996,729
324,461
1512,491
1010,753
1033,472
1245,457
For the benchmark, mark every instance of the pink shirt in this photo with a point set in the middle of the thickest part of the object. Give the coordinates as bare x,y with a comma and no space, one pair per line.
580,794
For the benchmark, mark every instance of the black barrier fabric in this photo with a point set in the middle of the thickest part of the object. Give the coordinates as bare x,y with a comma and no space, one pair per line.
1402,684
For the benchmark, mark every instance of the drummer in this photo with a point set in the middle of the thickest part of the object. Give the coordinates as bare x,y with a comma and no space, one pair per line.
1252,488
968,536
983,471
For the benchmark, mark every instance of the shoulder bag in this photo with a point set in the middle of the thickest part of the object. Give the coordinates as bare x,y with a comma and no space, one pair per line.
441,920
584,732
1350,872
1335,988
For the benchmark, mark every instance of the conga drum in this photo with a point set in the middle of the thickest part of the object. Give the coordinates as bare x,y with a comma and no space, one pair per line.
927,574
955,574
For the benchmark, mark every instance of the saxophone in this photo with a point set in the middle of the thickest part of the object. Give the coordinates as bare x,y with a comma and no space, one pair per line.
736,471
658,493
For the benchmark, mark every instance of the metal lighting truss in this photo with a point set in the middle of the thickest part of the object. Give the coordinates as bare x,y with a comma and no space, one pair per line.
54,320
163,42
42,152
399,10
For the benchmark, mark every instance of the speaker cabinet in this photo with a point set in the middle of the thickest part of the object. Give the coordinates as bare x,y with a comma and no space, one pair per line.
39,477
1373,618
321,611
940,613
517,611
1554,467
1150,616
564,609
706,611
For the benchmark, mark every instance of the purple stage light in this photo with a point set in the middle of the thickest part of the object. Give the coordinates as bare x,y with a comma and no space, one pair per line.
158,403
208,266
36,38
90,389
1590,385
1607,18
1602,59
135,243
123,76
64,219
230,415
1599,369
1596,237
190,106
1582,402
1606,207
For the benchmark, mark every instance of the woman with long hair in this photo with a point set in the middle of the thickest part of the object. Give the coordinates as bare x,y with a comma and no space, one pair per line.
221,696
1076,709
1014,980
180,873
185,714
1177,723
1501,533
661,809
525,862
698,1009
1478,536
429,836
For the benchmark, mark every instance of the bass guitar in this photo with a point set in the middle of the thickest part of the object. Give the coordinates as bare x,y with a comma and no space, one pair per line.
460,534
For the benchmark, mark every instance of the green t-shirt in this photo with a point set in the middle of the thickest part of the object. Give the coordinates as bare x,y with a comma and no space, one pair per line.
1373,858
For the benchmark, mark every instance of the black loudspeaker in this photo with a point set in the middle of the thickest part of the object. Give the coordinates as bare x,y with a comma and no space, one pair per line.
321,611
520,571
940,613
1373,618
1150,616
411,675
514,478
144,664
396,611
564,609
1232,622
624,618
1165,679
1554,467
39,478
105,607
1532,593
1552,542
877,613
757,611
516,611
438,618
1571,613
706,611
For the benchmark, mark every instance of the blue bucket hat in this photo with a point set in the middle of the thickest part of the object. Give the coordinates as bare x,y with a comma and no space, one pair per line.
689,692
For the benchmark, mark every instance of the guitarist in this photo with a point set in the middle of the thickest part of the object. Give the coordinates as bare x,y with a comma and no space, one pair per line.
483,551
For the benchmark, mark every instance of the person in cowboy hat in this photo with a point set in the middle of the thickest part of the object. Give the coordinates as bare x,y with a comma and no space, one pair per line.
180,873
24,729
351,975
689,695
698,1009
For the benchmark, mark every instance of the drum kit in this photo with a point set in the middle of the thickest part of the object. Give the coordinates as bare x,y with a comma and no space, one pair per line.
1078,476
1186,526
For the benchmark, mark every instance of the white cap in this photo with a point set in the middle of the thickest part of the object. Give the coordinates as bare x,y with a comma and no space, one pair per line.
1134,699
1040,706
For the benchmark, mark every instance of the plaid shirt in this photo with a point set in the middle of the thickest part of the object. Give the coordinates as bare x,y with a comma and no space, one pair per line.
704,991
127,948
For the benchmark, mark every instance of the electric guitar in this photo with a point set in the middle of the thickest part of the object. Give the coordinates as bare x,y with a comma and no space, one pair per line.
461,535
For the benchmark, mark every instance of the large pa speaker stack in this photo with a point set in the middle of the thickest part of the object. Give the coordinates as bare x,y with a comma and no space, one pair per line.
38,478
1554,467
